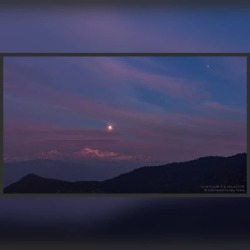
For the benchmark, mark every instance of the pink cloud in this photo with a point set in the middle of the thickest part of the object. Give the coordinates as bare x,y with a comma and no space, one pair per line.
110,155
175,135
95,153
52,154
78,106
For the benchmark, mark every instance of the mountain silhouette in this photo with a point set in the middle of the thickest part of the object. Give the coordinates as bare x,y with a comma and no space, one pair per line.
32,183
207,174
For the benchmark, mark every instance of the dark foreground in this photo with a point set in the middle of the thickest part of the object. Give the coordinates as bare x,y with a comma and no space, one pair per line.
125,223
211,174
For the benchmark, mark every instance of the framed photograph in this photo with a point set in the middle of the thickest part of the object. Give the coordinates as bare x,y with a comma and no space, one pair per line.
125,124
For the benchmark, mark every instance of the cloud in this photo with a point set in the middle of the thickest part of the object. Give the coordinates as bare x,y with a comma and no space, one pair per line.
216,106
52,154
95,153
135,30
88,152
10,158
121,30
117,69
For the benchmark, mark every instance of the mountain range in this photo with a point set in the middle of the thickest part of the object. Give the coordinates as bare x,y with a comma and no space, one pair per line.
212,174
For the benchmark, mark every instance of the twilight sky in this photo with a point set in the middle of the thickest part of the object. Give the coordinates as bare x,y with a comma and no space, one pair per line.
162,109
214,28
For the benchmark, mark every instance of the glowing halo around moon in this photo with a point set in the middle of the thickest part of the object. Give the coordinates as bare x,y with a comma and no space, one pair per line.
109,127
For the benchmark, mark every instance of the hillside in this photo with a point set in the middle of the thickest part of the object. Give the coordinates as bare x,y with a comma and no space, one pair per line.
207,174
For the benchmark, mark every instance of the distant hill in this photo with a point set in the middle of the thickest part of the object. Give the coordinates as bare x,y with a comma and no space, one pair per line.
32,183
208,174
67,170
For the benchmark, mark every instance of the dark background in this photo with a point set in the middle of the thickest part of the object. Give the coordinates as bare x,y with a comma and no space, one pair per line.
132,222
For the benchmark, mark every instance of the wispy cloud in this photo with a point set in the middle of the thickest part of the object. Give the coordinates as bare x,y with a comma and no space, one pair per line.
110,155
48,117
124,30
113,68
86,153
52,154
218,107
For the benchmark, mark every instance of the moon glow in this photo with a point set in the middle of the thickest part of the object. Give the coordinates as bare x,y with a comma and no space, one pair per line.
110,128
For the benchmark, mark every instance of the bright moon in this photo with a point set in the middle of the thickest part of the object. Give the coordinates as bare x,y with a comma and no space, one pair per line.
110,127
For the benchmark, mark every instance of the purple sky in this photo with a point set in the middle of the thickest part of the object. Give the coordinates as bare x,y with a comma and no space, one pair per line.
162,109
125,29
